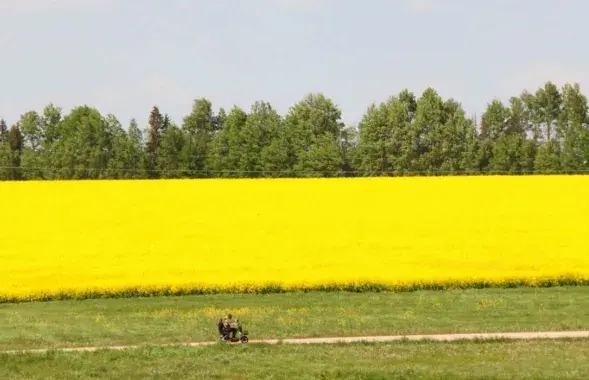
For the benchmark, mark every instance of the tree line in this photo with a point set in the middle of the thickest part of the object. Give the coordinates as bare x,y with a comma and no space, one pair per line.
546,131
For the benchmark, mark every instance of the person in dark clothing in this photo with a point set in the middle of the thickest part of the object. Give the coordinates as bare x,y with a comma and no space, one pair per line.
220,326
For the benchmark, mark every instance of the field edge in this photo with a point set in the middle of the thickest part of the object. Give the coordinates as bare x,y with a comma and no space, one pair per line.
277,288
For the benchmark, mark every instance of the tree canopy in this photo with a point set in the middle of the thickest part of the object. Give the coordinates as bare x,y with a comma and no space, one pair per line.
546,131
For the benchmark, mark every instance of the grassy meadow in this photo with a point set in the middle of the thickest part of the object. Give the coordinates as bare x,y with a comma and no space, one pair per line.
162,320
566,359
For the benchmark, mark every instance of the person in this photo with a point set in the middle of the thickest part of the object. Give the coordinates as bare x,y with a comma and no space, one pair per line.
220,327
231,325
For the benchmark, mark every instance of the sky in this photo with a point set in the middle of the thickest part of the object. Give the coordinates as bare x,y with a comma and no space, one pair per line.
125,56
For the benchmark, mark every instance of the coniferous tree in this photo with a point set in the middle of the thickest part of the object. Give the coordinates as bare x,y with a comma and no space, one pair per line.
154,131
3,130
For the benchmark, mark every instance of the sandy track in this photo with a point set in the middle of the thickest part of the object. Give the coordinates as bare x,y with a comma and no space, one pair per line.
368,339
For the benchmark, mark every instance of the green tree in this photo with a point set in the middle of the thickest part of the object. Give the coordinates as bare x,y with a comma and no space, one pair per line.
428,132
323,158
520,124
200,127
546,109
548,158
348,146
545,131
51,119
573,130
495,121
373,136
315,127
384,135
454,138
32,161
170,158
81,151
220,119
134,152
505,148
401,112
278,156
5,161
509,154
471,162
155,129
227,146
114,148
3,130
31,125
260,129
15,143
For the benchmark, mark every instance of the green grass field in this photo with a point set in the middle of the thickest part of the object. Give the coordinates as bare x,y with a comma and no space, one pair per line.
565,359
192,318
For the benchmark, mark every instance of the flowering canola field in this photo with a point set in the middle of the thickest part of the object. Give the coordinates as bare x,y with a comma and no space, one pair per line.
124,238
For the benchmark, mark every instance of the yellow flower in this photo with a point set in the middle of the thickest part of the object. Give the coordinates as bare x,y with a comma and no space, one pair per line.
125,238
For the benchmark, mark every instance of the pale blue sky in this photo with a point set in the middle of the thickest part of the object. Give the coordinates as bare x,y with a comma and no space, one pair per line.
124,56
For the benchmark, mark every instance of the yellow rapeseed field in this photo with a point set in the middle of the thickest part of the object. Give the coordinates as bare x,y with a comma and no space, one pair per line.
117,238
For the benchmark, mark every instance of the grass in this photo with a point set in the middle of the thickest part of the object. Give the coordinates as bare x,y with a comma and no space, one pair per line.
192,318
566,359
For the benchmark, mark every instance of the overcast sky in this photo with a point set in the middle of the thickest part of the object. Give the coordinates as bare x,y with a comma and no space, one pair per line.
124,56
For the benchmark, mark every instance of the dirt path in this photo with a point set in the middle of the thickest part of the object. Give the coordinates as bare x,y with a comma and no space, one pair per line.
438,337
